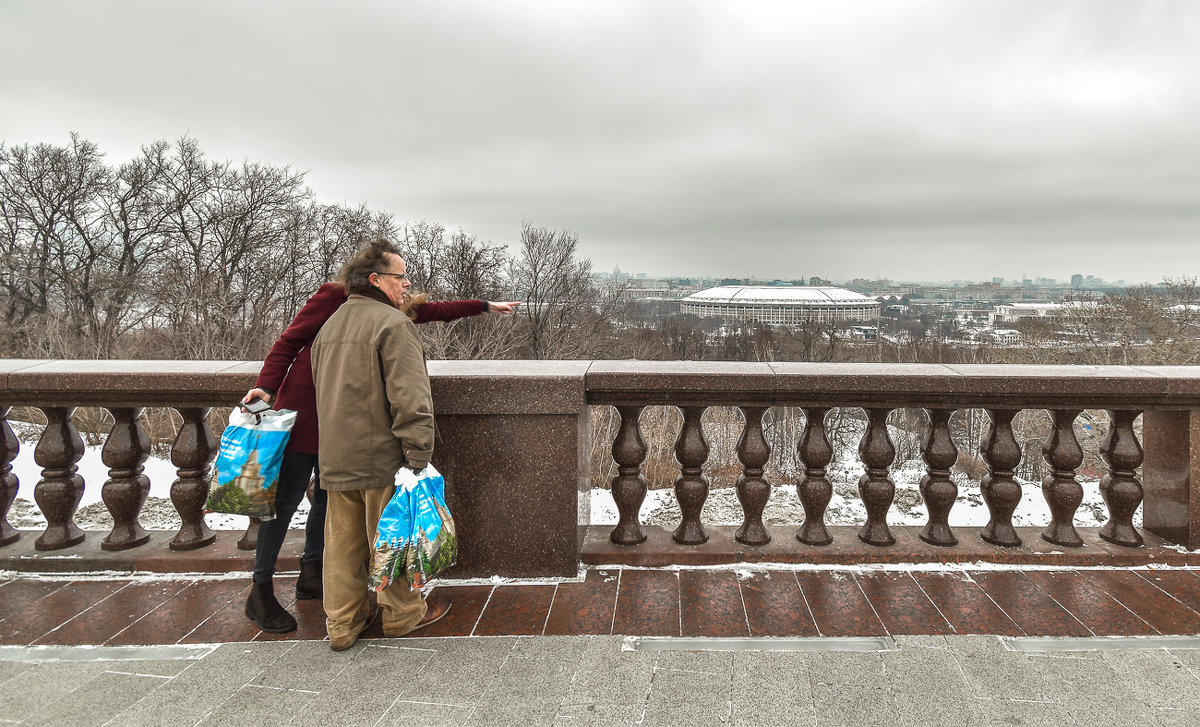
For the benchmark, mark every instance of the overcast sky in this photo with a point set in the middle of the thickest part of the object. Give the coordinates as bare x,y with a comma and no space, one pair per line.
913,140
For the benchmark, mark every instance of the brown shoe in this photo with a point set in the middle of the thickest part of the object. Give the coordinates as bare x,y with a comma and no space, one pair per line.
436,608
341,643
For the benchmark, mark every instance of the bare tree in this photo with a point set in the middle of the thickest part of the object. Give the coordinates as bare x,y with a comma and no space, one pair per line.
566,314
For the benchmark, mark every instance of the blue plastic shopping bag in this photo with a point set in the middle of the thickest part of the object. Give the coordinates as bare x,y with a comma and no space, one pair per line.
416,539
247,470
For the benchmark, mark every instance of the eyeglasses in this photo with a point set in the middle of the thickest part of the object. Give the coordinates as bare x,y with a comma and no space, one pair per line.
402,276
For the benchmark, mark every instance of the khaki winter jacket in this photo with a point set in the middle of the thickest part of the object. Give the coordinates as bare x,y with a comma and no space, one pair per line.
373,399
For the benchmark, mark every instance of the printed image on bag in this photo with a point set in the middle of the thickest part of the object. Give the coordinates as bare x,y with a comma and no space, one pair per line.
416,539
247,468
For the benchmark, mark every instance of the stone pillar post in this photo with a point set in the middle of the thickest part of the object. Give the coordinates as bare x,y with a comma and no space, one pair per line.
513,449
1171,476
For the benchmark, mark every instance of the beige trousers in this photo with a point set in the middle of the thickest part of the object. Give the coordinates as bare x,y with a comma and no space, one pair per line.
351,522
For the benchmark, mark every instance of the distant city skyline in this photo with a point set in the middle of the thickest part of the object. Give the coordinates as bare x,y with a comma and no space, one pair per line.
912,139
1088,279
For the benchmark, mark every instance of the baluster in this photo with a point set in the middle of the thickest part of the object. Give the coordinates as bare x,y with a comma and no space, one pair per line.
126,490
875,487
752,490
691,487
1062,491
1000,491
9,447
59,491
937,489
814,487
629,486
1120,488
193,452
249,539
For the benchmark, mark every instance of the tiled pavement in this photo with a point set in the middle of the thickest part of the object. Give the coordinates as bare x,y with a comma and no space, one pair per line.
115,611
515,670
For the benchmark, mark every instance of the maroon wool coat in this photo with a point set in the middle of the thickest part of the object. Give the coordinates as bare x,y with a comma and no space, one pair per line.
287,370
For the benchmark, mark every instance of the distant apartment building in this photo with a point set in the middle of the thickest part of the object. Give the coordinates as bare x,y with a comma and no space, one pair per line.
1012,313
782,305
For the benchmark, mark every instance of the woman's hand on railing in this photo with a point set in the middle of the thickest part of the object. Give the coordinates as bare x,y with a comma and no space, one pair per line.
256,393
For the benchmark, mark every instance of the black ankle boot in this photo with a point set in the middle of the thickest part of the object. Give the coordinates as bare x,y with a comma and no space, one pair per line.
308,585
264,610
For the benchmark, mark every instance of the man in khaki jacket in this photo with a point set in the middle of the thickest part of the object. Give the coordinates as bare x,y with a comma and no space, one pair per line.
376,415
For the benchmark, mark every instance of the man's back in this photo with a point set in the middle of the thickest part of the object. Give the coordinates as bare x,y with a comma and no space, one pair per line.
373,399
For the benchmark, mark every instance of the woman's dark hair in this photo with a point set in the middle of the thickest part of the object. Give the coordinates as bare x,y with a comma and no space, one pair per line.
355,275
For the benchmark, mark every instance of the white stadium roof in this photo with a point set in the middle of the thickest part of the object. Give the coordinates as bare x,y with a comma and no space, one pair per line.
777,294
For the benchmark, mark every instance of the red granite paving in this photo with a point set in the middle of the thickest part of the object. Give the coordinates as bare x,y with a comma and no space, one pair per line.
1027,605
515,611
710,604
689,602
965,605
838,604
113,614
27,622
466,605
179,616
647,603
1183,586
584,608
1157,608
901,604
775,606
1100,612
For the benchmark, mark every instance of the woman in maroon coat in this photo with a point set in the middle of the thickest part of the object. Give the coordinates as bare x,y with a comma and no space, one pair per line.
286,377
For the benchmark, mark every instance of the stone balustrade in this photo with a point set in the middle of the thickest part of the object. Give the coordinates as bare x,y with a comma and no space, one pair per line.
515,448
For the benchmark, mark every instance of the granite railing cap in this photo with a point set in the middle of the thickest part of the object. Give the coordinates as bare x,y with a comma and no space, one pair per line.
679,382
128,382
561,387
508,387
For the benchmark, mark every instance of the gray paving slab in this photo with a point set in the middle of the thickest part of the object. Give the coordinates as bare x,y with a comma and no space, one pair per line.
532,683
767,686
600,715
309,665
25,692
94,703
919,669
1157,677
858,668
853,705
689,697
253,706
1020,712
611,680
922,642
1004,675
10,669
951,708
149,667
707,662
204,685
586,680
1190,658
363,692
1165,717
405,714
460,670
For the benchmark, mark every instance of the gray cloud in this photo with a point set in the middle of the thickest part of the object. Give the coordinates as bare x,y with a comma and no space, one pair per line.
917,140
